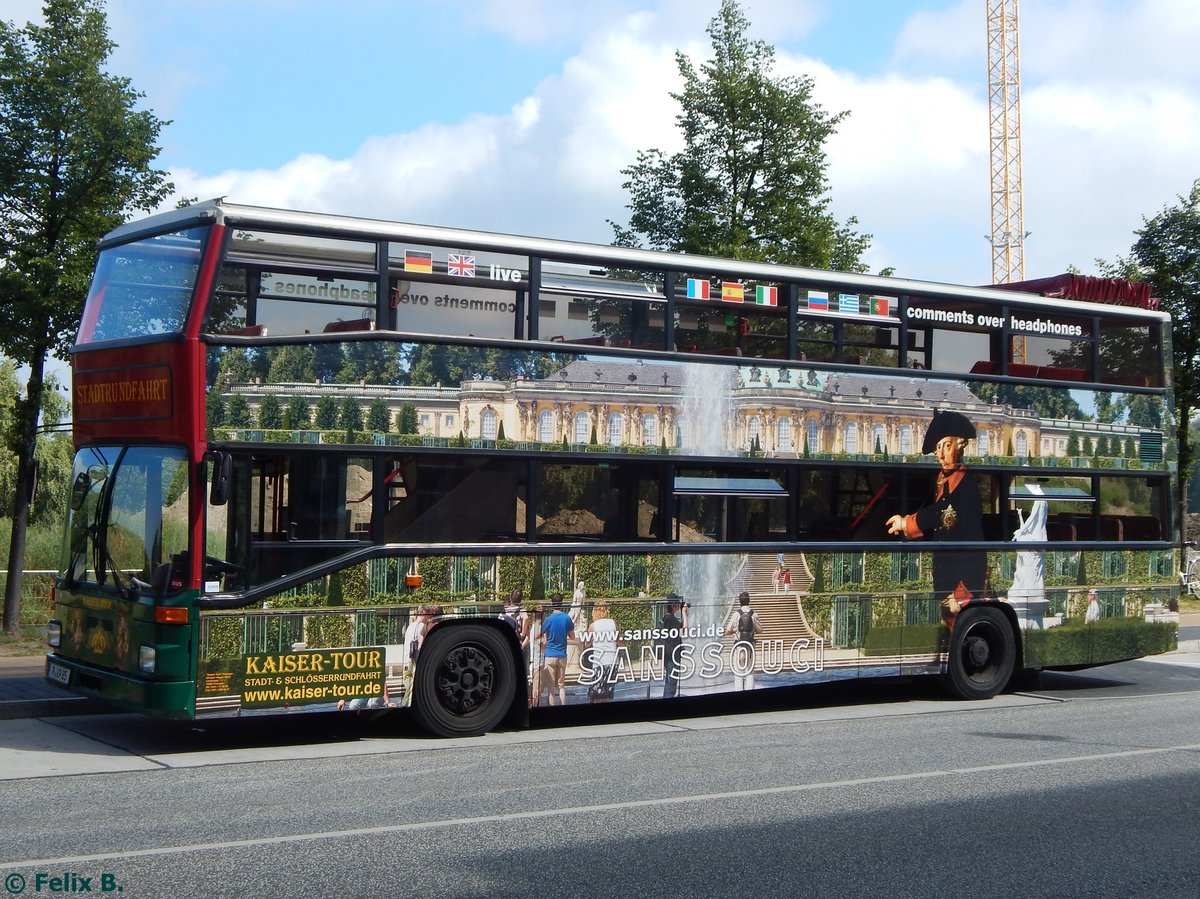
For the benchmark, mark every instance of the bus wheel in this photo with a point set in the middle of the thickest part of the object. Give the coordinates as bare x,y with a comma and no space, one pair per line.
983,652
465,681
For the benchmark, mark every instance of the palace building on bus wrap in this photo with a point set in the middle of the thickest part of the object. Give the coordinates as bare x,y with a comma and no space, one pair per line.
778,411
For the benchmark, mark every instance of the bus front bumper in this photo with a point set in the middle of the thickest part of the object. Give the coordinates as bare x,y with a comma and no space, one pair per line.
162,699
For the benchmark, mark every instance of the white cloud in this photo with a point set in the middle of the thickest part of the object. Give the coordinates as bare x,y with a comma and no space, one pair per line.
552,166
955,35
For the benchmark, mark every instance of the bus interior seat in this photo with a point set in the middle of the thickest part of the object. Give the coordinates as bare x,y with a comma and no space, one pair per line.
247,331
1127,380
1059,527
1061,374
991,526
1141,527
354,324
1112,527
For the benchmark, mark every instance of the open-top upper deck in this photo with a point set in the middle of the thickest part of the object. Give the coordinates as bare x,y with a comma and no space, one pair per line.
284,275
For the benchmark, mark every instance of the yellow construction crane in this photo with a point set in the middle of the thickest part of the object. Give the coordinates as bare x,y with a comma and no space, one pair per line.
1004,114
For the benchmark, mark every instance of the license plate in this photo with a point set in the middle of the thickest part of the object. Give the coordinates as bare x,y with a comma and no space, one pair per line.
58,673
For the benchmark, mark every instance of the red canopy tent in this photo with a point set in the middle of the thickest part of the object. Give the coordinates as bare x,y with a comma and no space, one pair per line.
1114,291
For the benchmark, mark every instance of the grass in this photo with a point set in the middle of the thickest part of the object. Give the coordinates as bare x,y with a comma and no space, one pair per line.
42,546
36,610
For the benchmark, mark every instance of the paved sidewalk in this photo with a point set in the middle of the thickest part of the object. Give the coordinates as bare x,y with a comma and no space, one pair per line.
25,692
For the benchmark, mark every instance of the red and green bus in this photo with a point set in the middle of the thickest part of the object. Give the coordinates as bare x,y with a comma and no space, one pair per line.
326,462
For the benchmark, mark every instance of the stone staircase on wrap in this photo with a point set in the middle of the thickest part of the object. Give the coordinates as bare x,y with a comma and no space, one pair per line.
781,614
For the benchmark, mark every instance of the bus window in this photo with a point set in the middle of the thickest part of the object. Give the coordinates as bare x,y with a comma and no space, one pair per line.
763,333
287,512
598,501
142,288
454,499
955,336
732,505
816,339
1129,353
311,304
229,309
592,306
280,252
128,515
1059,346
603,321
846,343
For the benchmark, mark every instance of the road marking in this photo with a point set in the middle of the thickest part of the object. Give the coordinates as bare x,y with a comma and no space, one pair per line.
509,817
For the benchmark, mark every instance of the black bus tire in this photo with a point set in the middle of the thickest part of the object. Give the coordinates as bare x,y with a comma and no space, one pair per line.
465,681
983,652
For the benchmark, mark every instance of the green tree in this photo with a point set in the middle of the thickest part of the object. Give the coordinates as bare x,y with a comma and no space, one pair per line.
378,419
326,417
1167,254
234,368
1108,407
215,410
270,413
751,180
328,359
237,412
53,452
430,364
297,416
1048,402
374,362
406,419
350,417
1146,411
75,157
292,365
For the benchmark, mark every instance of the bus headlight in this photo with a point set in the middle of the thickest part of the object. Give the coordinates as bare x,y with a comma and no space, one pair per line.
147,659
54,633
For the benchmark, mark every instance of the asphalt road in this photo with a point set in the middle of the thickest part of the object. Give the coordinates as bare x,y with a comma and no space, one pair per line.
1087,786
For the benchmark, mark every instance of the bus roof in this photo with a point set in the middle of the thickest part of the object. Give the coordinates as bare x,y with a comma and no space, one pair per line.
352,227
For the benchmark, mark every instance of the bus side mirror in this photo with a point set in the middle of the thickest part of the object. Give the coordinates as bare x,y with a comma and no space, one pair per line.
222,469
79,490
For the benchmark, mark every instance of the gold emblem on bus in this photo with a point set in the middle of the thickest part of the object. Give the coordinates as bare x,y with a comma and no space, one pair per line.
98,641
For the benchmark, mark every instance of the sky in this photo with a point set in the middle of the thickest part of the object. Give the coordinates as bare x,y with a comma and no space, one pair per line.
518,115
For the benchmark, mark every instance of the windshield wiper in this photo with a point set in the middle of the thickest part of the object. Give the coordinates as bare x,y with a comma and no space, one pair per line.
104,560
125,592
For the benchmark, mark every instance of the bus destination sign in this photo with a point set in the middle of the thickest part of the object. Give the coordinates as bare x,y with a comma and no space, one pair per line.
143,392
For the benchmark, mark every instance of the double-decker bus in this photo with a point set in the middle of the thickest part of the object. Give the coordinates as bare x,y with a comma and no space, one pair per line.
333,463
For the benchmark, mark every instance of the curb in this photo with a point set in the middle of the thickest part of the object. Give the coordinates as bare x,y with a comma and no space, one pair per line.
51,708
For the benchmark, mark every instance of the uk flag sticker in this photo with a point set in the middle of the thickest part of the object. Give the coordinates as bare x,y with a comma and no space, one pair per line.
461,265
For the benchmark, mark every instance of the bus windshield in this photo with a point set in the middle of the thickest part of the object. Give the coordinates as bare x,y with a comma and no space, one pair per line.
143,288
127,515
